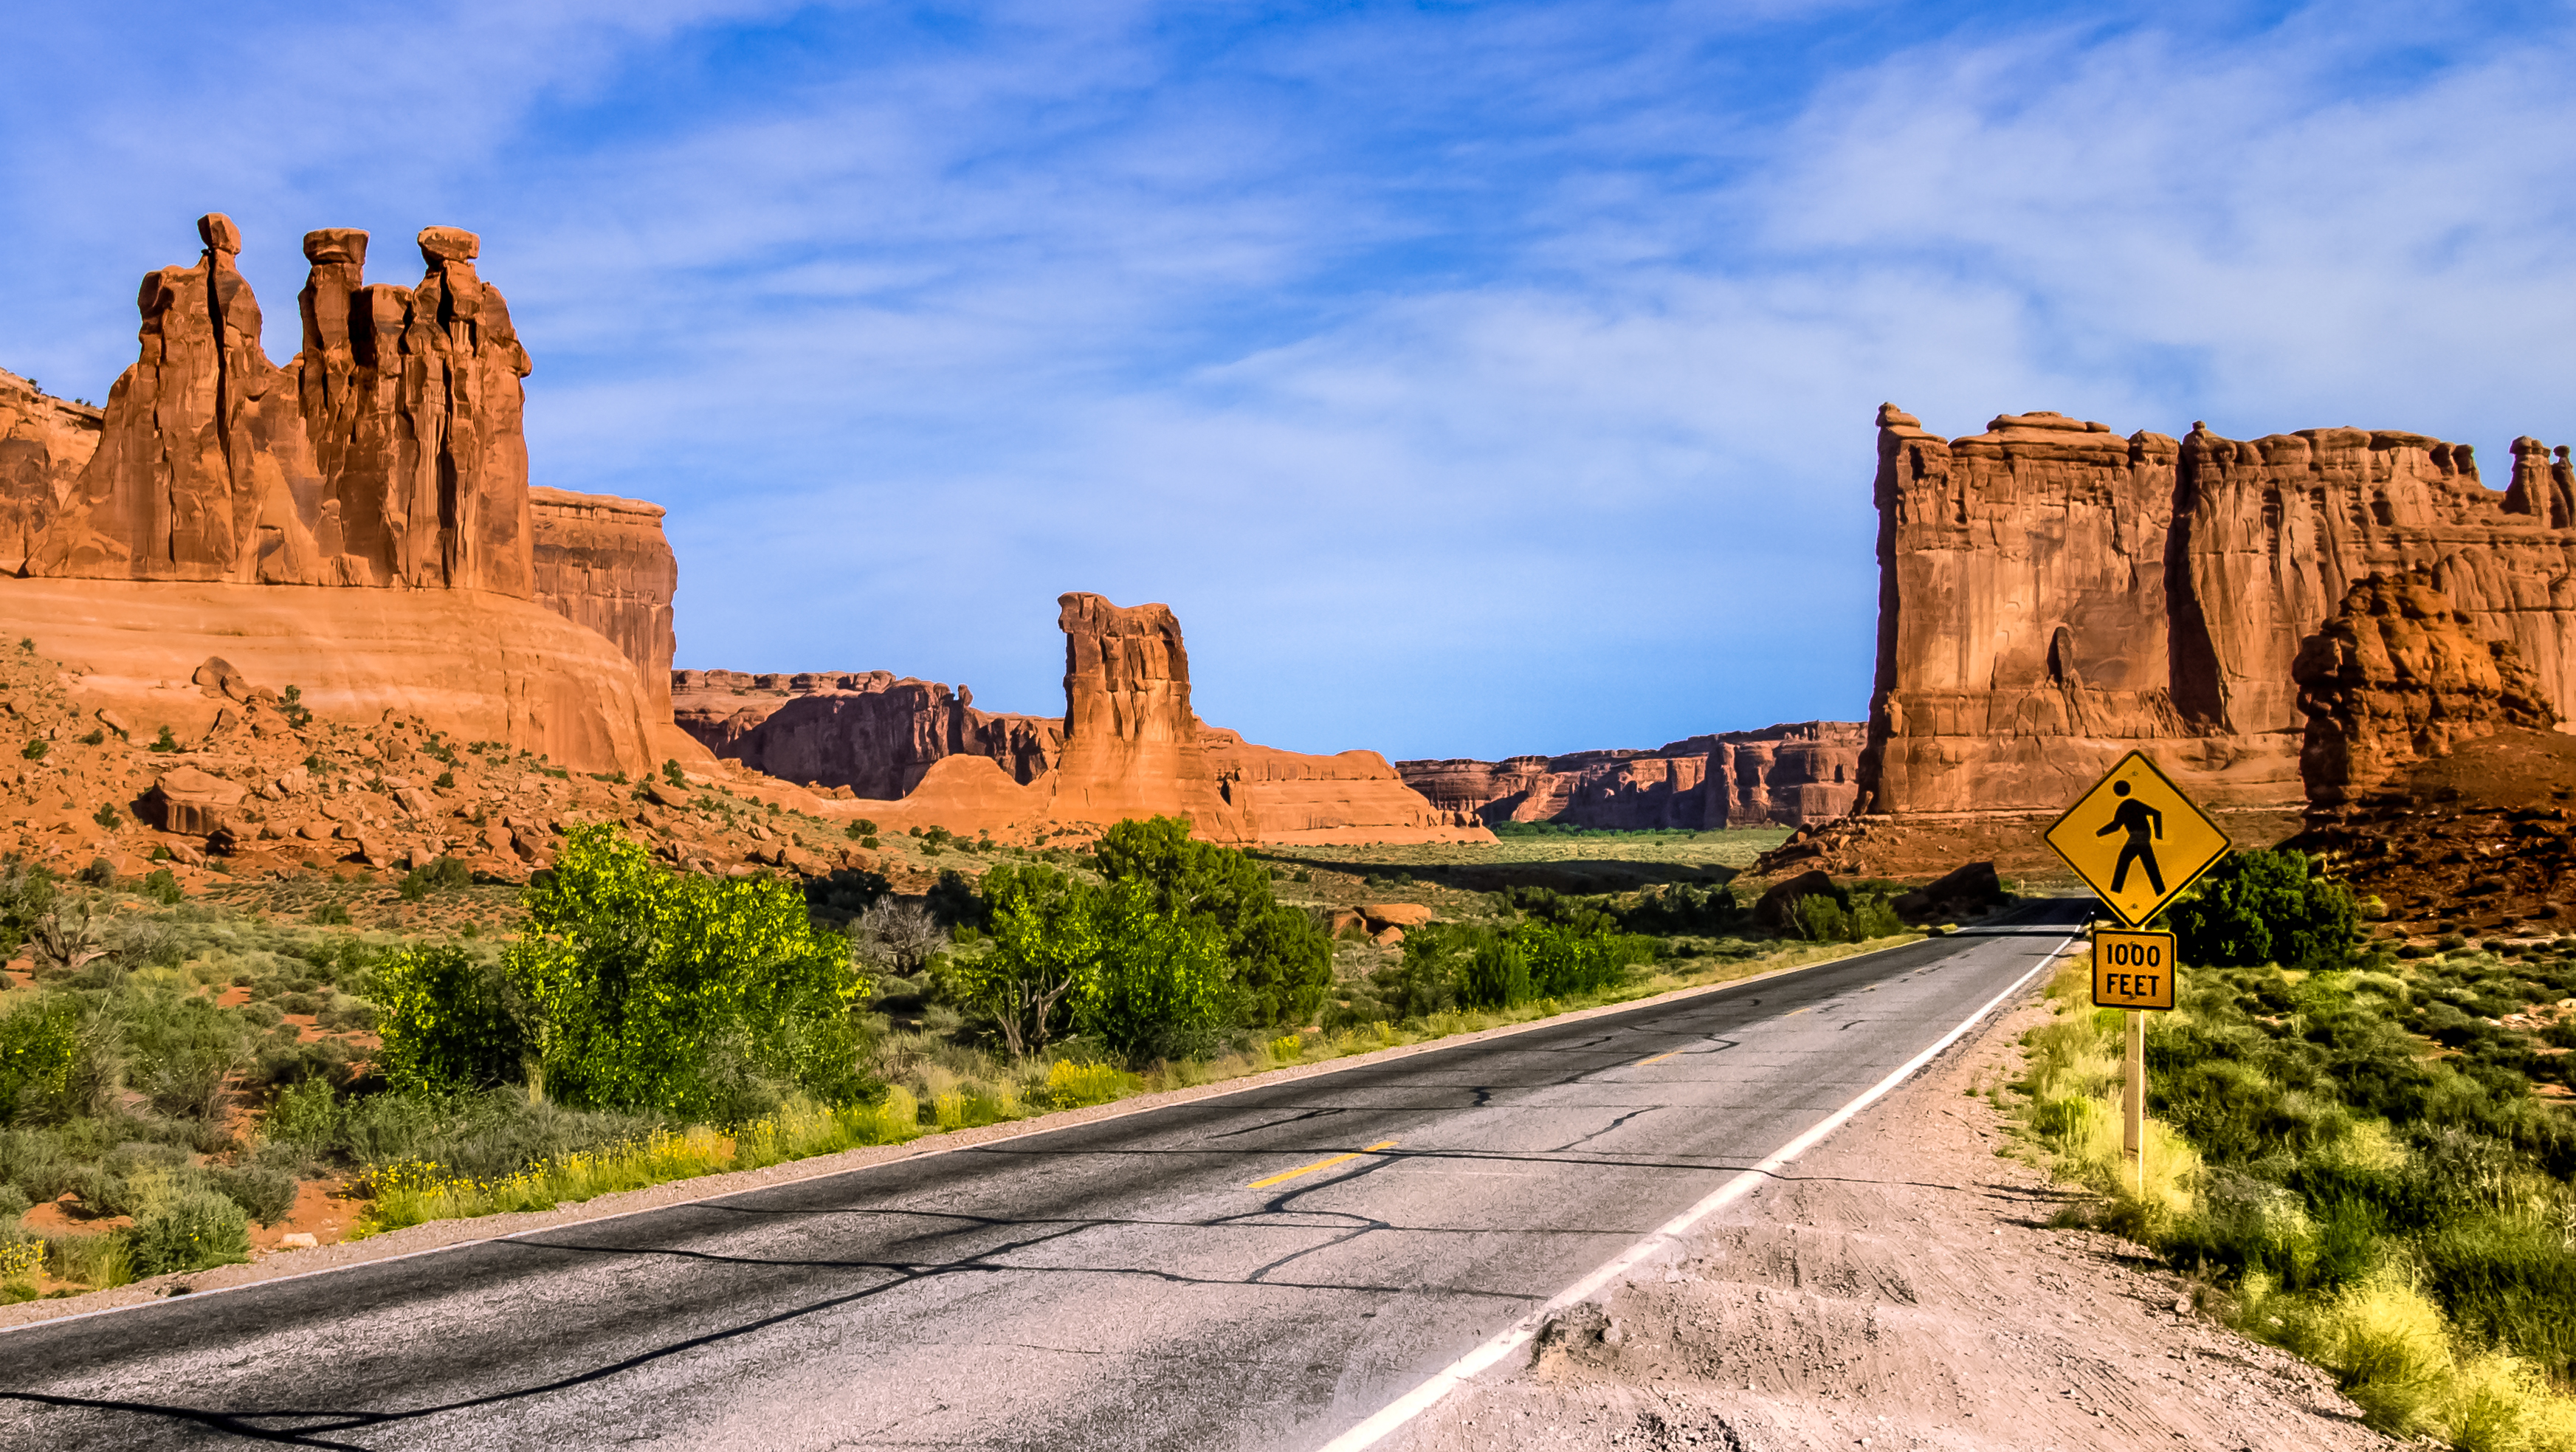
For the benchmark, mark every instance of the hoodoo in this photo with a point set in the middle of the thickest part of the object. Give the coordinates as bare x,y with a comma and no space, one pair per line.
357,522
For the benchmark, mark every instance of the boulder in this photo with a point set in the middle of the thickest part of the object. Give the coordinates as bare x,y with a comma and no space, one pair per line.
1963,892
195,803
1398,914
2399,674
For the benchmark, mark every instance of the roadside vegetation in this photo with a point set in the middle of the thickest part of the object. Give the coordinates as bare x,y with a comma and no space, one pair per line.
2362,1157
183,1080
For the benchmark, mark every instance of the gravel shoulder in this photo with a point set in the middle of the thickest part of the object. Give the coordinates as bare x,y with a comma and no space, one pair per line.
1899,1287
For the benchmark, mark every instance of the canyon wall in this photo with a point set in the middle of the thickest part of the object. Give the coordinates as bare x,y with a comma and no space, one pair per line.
864,730
1788,774
2052,595
386,457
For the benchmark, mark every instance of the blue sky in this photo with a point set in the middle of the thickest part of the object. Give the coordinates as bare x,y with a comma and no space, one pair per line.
1471,378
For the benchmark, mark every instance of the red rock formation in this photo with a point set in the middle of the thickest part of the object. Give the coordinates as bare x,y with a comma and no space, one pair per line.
1130,745
2399,675
1789,774
44,441
601,561
2052,595
388,453
1354,796
863,730
1131,741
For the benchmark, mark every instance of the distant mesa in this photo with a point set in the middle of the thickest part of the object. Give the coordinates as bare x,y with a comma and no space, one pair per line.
358,522
1789,775
1129,744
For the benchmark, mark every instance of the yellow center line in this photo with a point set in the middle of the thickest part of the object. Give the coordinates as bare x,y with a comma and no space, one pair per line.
1657,1059
1793,1013
1318,1165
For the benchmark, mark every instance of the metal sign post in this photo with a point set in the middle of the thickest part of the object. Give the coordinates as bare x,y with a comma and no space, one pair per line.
2139,843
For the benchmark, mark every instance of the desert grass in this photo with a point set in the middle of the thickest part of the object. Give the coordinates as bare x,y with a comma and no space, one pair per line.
2414,1371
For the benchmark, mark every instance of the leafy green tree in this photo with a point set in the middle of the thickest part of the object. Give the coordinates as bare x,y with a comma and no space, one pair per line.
448,1022
641,984
1159,990
1280,962
1046,930
2266,907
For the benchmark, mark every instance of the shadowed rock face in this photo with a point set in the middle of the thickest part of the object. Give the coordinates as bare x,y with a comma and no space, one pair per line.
2396,676
1791,774
864,730
44,442
2052,594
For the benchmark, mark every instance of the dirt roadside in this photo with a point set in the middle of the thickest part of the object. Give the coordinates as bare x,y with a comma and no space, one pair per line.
1899,1287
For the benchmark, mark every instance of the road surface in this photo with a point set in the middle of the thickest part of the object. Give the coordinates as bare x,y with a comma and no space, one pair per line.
1260,1269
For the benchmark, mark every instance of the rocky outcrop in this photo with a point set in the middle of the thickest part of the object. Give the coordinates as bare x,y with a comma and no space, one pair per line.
1789,774
44,441
1293,799
1131,739
386,458
2397,675
863,730
2052,595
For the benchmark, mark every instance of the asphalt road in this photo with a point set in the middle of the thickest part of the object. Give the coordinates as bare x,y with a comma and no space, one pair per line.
1125,1283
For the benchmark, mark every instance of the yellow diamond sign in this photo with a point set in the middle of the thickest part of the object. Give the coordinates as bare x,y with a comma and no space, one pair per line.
2137,840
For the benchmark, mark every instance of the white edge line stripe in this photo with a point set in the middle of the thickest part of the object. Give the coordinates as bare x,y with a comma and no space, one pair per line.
1511,1338
1268,1079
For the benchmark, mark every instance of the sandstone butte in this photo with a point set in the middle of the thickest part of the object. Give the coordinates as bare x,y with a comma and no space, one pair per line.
1789,774
2052,594
910,753
357,523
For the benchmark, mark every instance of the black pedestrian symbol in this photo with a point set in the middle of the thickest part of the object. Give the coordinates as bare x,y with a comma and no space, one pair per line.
2140,821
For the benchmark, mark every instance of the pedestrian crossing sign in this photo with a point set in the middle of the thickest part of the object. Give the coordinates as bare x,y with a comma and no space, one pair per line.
2136,840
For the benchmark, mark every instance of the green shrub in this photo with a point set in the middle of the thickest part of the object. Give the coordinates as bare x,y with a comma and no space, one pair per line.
2267,907
35,749
646,990
1279,961
264,1192
39,1042
1158,988
162,886
107,817
98,1261
330,915
165,741
448,1021
183,1049
192,1230
441,873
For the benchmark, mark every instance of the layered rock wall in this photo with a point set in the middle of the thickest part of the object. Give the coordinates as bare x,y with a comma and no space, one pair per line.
1789,774
602,561
864,730
2053,595
1131,739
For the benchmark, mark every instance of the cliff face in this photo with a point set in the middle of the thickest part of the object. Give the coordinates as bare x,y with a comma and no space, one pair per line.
44,441
601,561
864,730
387,456
2399,675
1790,774
2052,595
